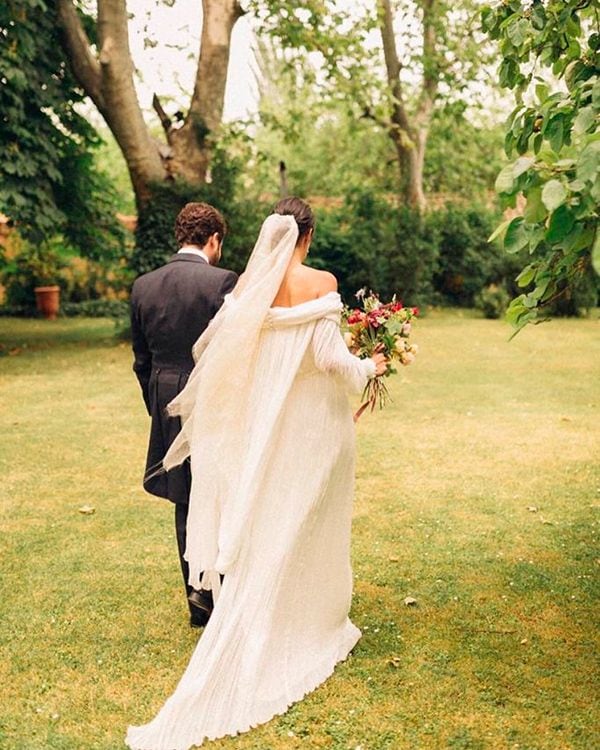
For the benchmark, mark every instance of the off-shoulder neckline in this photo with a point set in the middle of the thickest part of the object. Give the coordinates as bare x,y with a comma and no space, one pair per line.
305,303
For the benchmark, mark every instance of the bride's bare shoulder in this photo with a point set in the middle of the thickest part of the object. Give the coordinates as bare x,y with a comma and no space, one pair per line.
322,281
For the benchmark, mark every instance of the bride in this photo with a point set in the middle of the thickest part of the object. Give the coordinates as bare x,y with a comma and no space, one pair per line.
269,432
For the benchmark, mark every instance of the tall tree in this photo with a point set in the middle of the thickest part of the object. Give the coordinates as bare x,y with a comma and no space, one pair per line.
409,131
426,58
102,63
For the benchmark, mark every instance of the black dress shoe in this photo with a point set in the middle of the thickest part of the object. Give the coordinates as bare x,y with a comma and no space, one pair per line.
198,621
201,607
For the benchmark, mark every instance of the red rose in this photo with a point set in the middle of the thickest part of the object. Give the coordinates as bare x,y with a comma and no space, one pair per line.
415,310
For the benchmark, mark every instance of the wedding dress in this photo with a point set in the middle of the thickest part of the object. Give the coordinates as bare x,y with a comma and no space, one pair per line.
280,623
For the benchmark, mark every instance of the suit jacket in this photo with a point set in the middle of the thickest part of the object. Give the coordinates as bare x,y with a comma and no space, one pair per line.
170,308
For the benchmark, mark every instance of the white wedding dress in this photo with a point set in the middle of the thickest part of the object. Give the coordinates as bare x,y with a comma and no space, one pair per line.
280,624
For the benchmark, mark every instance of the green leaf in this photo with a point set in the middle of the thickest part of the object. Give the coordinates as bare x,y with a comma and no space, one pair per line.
517,32
505,181
508,72
499,231
522,165
542,91
596,252
553,194
535,210
595,191
589,161
584,120
555,133
596,94
561,223
538,16
516,237
526,276
541,286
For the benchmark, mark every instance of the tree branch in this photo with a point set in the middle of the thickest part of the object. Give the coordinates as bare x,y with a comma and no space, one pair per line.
122,111
164,118
400,125
84,64
431,71
368,114
218,20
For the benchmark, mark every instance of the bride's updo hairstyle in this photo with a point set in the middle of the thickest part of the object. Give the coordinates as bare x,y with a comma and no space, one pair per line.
300,210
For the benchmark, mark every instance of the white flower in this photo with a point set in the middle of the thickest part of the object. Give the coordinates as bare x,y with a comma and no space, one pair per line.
361,293
406,329
400,346
349,339
414,348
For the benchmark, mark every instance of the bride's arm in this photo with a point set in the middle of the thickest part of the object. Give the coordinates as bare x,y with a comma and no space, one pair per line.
331,355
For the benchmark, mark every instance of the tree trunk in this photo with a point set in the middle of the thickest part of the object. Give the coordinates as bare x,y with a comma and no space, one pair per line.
108,81
192,143
121,108
410,161
409,132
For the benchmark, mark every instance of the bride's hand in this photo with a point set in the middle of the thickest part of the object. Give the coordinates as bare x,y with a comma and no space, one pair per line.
381,363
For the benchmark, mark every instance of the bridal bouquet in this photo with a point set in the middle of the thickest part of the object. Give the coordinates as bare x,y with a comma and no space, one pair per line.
379,327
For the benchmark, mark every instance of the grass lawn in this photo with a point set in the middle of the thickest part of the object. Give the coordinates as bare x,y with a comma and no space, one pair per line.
478,492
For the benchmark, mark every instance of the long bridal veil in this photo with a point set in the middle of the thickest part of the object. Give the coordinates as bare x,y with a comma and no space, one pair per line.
215,409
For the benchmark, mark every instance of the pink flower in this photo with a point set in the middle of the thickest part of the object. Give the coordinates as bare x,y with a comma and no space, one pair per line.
356,316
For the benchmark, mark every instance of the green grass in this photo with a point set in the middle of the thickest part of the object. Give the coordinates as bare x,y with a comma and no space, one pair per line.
500,650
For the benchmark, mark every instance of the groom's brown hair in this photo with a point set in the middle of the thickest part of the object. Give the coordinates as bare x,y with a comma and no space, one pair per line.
196,222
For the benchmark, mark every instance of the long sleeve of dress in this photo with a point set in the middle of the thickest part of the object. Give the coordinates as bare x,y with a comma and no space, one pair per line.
331,355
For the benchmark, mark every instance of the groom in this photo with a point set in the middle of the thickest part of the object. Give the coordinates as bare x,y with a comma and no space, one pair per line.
170,308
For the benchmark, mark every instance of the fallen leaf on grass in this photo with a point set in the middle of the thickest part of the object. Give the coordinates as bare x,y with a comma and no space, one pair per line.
393,558
532,508
410,601
87,510
395,661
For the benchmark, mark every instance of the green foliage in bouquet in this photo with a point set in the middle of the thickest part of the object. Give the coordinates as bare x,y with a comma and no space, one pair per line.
555,138
378,327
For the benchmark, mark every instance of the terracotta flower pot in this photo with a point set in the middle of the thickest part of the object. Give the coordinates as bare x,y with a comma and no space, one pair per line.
47,300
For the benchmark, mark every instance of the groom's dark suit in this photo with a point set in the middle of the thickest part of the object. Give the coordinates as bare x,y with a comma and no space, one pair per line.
170,308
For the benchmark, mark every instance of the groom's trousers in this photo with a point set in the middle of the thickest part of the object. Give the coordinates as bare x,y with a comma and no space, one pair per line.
164,385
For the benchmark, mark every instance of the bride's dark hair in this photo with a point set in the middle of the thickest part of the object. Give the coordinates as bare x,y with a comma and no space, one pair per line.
300,210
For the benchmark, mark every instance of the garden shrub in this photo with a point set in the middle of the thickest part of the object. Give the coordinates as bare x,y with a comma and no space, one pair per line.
370,242
467,262
492,301
155,237
348,243
96,308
